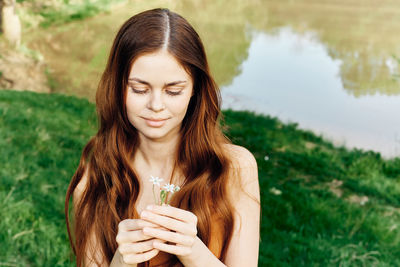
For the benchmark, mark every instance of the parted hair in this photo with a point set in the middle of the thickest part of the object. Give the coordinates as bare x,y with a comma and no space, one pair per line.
112,186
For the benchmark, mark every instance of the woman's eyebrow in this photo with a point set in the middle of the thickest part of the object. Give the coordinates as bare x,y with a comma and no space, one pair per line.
147,83
138,80
174,83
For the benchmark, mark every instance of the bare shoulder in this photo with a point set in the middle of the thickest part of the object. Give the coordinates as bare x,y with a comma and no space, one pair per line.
240,157
243,178
244,193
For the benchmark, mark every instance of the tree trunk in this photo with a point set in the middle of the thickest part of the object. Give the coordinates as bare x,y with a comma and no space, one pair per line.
11,24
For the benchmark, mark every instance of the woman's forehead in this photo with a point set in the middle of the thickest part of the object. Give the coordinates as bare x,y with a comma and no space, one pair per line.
160,66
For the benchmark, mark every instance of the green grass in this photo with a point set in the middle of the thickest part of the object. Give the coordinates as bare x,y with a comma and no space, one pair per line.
303,222
308,225
56,12
41,137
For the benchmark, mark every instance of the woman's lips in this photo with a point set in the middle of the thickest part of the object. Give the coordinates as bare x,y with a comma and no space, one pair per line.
155,122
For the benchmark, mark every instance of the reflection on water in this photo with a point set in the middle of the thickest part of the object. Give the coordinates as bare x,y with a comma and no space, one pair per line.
362,34
323,63
292,76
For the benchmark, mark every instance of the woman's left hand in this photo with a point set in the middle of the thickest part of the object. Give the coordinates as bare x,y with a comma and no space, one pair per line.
180,231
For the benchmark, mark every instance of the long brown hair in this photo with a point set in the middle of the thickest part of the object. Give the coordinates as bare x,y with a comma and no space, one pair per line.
112,187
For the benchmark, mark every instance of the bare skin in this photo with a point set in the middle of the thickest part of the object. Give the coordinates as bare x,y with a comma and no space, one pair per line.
157,115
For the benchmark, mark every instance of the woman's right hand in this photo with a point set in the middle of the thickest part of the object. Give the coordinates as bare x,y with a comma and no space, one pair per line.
133,245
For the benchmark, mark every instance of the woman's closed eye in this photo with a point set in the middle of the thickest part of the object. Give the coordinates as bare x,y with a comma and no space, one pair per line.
143,90
139,90
174,91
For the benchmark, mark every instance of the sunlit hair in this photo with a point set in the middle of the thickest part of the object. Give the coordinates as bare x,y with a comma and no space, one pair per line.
113,187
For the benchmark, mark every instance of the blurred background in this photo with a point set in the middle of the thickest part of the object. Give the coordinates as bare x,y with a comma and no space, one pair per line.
322,77
330,66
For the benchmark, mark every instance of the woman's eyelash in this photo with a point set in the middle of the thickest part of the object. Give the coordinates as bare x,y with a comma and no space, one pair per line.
144,91
173,93
138,91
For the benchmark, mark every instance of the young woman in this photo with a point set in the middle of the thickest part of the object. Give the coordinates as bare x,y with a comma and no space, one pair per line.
159,111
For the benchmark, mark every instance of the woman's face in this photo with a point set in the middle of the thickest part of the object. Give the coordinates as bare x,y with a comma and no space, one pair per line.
158,94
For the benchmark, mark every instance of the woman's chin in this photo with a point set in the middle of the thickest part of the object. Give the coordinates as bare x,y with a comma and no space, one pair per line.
156,134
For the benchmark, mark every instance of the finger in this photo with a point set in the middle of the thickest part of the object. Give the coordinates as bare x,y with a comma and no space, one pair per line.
138,258
133,224
173,249
180,214
169,236
170,223
137,247
131,236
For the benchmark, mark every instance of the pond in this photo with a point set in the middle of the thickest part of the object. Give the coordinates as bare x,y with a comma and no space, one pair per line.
330,66
301,83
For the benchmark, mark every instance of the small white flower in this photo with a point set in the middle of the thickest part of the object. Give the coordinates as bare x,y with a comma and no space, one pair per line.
275,191
177,188
266,158
155,180
169,187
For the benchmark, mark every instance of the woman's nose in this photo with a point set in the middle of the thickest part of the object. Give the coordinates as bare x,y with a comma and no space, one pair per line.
156,103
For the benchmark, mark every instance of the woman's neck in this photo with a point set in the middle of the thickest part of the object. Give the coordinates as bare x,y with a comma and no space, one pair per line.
156,156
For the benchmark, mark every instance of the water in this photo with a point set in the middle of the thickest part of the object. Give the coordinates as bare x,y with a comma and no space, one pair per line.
293,77
328,65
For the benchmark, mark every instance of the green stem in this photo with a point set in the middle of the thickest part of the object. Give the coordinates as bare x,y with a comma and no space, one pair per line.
163,194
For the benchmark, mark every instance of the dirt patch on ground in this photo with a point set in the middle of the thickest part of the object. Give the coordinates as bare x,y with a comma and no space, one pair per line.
362,200
335,187
21,71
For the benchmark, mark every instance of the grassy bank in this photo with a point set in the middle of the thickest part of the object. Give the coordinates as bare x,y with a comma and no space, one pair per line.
40,141
55,12
321,205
